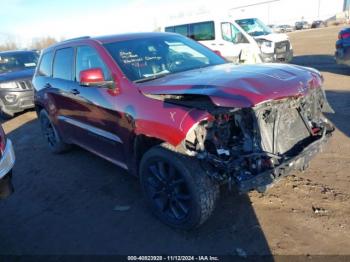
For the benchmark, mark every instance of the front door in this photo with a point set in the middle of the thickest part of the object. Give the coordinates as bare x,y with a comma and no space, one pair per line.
94,118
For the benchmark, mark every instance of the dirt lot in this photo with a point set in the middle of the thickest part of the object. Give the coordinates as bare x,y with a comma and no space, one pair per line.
68,204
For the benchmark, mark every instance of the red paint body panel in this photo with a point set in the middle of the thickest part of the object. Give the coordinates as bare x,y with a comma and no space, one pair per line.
230,85
127,112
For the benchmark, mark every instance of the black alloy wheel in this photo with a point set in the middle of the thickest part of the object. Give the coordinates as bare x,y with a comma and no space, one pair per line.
177,189
51,135
168,189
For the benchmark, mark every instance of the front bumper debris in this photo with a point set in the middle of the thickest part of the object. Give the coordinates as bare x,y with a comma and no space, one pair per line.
277,57
263,181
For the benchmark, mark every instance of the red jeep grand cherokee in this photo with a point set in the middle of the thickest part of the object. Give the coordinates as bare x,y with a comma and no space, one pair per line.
180,117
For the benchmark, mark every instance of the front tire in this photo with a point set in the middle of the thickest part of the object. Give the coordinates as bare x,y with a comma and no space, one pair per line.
51,134
177,188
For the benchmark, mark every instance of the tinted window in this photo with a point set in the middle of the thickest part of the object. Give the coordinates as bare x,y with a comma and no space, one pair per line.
254,27
63,64
232,34
181,29
149,58
86,58
169,29
46,64
203,31
16,61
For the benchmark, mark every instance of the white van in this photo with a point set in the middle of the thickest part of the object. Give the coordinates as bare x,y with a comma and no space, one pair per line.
221,35
274,47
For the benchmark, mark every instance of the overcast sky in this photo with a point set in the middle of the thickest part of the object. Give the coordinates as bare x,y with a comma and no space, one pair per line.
24,20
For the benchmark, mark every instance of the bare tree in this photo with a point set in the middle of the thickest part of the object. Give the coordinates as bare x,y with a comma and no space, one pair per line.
9,45
43,42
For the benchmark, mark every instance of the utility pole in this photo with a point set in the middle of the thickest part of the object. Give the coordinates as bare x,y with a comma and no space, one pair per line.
319,8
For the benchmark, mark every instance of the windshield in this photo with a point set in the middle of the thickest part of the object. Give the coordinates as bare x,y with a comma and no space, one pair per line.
149,58
15,61
254,27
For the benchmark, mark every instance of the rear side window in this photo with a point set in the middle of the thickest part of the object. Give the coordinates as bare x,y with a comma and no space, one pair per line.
63,64
203,31
181,29
169,29
46,64
87,58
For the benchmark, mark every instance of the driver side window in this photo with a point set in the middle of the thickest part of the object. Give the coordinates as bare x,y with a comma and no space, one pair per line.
231,34
226,32
87,58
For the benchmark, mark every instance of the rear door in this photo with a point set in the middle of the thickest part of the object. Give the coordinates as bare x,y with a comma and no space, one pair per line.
61,102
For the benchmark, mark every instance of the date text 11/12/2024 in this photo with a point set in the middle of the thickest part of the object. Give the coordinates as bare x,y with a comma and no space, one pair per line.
173,258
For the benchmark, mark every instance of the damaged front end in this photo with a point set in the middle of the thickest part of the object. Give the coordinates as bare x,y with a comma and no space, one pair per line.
254,147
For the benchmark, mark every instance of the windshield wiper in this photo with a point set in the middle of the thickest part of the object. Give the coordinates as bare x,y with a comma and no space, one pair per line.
152,77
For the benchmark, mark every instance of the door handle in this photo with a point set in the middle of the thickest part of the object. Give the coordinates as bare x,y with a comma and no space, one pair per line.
75,91
48,85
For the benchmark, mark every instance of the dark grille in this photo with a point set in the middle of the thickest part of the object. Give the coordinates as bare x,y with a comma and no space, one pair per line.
282,47
281,128
25,85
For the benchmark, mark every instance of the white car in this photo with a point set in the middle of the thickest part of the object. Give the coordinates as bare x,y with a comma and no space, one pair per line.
274,47
7,161
221,35
284,29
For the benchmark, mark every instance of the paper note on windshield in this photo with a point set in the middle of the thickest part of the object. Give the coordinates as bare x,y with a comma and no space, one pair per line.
29,64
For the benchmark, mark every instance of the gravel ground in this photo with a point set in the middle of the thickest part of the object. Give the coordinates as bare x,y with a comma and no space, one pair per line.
77,203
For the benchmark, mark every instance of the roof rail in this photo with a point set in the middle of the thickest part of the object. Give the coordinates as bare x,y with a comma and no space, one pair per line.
76,38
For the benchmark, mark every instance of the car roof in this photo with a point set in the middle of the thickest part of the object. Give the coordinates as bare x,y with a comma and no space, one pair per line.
248,18
128,36
199,19
345,29
108,38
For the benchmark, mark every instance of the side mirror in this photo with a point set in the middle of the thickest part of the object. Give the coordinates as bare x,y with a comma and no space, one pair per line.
217,52
92,77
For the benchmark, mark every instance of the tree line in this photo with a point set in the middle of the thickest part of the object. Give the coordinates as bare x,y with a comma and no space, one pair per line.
37,44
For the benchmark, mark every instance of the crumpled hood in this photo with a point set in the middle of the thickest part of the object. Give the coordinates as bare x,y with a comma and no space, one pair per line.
273,37
230,85
17,75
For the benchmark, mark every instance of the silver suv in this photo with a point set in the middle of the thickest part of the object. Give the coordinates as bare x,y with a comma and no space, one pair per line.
16,72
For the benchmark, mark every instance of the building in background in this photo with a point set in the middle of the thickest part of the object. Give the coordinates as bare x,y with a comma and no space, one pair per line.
269,11
346,5
290,11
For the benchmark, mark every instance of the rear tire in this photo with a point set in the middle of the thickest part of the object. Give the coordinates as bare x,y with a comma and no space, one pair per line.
51,134
177,188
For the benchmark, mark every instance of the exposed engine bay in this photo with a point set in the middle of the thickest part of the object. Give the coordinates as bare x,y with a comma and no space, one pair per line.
253,147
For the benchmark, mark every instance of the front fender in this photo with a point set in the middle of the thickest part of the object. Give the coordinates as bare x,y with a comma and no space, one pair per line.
171,125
